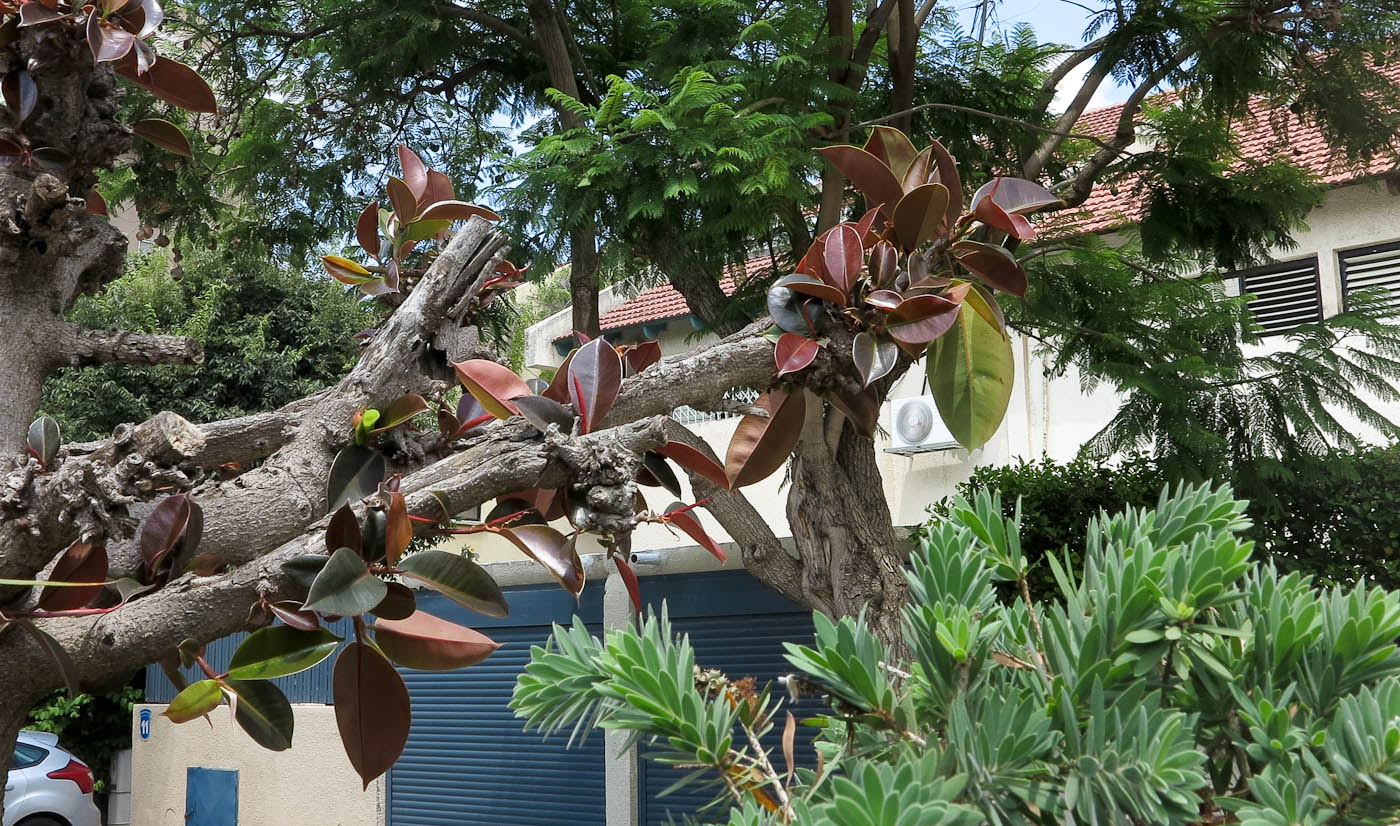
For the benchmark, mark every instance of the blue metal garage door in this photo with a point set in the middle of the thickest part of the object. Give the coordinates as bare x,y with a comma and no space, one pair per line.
737,625
469,760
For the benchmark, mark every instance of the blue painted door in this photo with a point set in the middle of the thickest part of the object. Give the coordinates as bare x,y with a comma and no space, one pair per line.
469,760
211,797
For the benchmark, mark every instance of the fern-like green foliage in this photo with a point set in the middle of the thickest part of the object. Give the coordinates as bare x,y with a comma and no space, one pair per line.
1169,679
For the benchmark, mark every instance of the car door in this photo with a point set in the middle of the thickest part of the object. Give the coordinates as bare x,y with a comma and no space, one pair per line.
20,778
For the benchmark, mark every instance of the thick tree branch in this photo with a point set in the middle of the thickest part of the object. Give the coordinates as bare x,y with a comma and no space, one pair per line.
73,345
489,21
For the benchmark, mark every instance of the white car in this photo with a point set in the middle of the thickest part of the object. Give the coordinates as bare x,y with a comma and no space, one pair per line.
47,786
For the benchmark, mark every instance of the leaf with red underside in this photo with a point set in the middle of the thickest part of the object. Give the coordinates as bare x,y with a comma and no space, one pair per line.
868,173
398,531
807,285
401,199
430,643
947,169
794,352
679,515
893,147
556,552
514,510
96,204
171,81
595,376
811,263
493,385
470,415
760,446
34,14
558,388
293,615
994,264
367,230
398,603
81,562
994,216
919,215
875,356
415,174
107,42
166,526
922,319
456,211
1015,196
918,172
355,473
343,530
843,256
693,460
655,472
884,299
641,356
164,134
863,409
884,264
371,709
866,226
629,578
439,189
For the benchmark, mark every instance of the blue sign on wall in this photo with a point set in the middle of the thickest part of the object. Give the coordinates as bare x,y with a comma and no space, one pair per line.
145,718
211,797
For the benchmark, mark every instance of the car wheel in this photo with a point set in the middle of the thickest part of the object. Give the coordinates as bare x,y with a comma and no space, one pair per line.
42,820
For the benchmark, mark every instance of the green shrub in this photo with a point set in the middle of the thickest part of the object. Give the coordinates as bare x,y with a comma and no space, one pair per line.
1334,516
270,337
1169,679
93,727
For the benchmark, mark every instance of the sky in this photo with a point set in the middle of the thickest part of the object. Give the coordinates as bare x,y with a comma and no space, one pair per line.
1059,21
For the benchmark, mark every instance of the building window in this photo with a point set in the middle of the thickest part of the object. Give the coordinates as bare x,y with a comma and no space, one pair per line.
1285,295
1372,268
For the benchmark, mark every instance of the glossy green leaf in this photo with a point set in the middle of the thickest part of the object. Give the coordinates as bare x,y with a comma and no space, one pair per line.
371,709
543,412
399,411
196,700
457,578
262,710
342,532
355,474
279,650
304,568
970,374
345,587
427,642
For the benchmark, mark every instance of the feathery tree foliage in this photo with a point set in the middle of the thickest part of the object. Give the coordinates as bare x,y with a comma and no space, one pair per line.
1169,679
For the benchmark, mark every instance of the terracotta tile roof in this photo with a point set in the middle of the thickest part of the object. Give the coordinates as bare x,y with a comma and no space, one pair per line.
1266,132
1260,134
665,302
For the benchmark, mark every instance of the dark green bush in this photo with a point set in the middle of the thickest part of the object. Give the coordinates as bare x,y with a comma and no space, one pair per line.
1336,517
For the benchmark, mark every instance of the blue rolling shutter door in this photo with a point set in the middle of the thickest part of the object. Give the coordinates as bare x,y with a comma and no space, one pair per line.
737,625
469,759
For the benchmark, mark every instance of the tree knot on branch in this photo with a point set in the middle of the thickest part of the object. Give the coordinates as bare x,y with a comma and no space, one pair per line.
603,476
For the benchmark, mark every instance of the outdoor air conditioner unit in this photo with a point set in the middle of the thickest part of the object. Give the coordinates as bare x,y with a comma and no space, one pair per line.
917,427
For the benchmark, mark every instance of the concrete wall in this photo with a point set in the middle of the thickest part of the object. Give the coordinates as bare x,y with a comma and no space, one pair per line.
310,784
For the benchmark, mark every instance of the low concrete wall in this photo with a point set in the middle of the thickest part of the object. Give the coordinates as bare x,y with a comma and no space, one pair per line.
310,784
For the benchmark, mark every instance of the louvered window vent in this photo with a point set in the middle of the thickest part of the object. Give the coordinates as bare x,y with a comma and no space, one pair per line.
1285,295
1372,268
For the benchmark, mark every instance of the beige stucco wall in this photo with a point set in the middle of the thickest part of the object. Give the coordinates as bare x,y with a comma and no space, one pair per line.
310,784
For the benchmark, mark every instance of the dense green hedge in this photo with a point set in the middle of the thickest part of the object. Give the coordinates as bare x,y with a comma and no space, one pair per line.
1337,517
